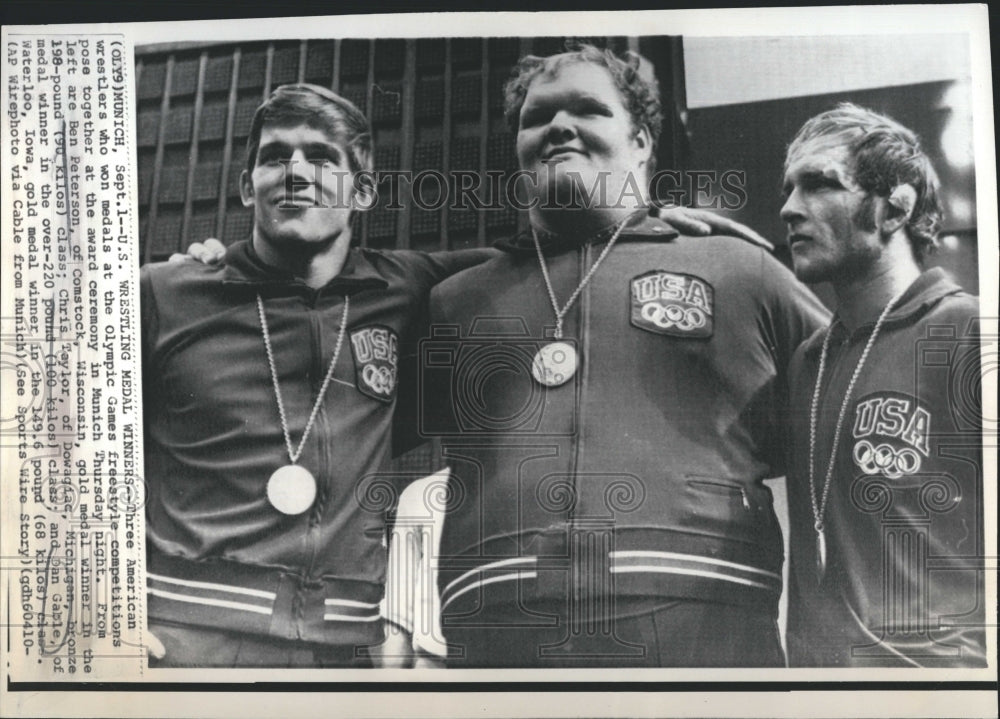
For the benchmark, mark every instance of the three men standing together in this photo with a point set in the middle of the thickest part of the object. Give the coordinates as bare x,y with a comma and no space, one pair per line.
609,394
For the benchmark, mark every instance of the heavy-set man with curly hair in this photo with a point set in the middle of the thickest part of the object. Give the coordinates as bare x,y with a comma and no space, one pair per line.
885,485
610,405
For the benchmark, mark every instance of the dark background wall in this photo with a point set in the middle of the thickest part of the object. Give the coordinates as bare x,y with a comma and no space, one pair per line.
753,137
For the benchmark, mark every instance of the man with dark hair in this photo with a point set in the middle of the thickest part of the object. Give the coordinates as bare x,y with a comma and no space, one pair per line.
885,484
609,404
270,384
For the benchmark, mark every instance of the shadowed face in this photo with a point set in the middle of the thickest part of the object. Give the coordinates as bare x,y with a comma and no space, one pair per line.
832,229
573,124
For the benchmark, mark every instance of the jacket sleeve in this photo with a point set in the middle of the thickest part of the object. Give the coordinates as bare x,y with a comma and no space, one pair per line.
416,398
423,404
441,352
443,265
791,314
794,313
407,417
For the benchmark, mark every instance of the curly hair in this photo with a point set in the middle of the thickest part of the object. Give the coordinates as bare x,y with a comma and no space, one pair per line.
640,94
885,155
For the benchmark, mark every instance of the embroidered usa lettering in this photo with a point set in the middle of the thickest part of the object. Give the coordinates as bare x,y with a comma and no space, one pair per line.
376,361
673,303
891,434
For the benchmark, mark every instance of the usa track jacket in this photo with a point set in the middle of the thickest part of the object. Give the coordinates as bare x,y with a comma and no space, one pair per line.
642,475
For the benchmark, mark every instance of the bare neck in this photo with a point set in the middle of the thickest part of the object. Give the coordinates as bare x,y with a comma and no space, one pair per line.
314,266
861,299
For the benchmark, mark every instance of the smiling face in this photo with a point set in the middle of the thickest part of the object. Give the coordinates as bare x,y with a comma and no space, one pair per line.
832,222
300,189
573,120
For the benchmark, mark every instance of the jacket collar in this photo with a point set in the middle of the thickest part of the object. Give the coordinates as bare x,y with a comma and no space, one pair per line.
926,291
641,226
244,268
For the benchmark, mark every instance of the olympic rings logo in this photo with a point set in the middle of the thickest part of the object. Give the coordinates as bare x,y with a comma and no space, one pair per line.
380,379
886,460
669,316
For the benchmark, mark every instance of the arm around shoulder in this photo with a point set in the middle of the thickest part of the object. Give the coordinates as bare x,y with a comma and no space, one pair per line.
449,262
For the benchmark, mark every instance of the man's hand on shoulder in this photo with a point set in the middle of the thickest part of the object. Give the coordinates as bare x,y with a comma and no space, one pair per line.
692,221
209,252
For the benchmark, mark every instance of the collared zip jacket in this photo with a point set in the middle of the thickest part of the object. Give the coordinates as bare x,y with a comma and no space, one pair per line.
641,476
903,518
219,555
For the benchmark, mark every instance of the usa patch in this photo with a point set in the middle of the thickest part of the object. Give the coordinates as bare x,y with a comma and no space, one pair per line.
891,434
376,361
672,303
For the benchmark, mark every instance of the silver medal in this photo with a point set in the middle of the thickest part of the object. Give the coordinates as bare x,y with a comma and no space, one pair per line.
291,489
554,364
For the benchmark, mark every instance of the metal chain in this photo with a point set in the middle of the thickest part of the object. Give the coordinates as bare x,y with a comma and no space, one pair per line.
560,314
819,505
294,455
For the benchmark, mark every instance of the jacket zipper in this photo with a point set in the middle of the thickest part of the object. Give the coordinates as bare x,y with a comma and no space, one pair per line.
318,432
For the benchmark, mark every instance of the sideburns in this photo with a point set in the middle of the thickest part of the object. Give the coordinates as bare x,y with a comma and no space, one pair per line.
865,215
